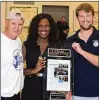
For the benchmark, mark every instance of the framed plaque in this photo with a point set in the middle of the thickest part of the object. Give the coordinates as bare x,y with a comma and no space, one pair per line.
28,12
57,96
58,72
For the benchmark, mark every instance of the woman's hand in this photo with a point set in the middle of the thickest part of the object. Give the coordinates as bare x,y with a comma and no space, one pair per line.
40,65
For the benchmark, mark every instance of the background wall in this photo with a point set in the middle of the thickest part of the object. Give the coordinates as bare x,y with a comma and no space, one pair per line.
57,11
5,7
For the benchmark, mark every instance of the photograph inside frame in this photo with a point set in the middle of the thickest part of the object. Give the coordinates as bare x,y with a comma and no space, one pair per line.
58,72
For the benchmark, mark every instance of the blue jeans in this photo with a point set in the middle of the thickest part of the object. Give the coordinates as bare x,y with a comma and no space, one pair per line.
84,98
15,97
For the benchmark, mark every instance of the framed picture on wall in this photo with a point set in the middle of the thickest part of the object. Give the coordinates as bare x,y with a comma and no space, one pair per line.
96,17
75,22
96,21
28,12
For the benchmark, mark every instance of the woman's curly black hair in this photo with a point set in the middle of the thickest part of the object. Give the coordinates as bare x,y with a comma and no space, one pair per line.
33,29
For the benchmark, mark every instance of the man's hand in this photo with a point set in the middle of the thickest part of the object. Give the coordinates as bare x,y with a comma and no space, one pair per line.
66,31
77,47
68,96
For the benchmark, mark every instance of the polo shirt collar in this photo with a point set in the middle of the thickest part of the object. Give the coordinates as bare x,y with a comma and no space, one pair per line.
77,32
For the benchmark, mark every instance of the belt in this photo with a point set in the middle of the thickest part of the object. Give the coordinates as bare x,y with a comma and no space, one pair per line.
40,74
37,75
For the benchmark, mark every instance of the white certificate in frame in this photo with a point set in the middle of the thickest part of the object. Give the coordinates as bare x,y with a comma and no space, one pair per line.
58,75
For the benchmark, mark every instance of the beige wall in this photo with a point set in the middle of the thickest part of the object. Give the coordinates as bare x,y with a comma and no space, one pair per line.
72,6
3,14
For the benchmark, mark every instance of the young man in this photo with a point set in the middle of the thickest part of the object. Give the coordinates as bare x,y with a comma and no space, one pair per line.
63,28
86,56
11,57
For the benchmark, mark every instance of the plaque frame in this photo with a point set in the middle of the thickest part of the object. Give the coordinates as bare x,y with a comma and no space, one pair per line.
57,74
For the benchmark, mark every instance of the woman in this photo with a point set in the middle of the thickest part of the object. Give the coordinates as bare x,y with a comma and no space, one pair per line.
42,31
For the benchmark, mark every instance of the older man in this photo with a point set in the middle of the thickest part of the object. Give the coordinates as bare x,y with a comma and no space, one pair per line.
12,60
